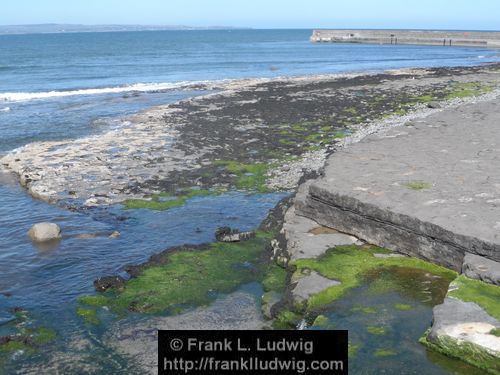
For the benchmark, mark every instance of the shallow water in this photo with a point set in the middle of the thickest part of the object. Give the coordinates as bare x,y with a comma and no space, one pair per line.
399,301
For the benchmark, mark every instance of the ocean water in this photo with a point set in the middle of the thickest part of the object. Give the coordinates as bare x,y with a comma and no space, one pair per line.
66,86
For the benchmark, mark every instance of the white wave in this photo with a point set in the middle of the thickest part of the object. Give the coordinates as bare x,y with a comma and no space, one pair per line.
6,109
139,87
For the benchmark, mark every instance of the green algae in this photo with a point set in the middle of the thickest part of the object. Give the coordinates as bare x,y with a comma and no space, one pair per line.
460,90
350,264
382,353
374,330
44,335
418,185
274,278
485,295
251,177
88,315
352,350
465,351
158,203
186,278
322,322
287,319
364,310
402,307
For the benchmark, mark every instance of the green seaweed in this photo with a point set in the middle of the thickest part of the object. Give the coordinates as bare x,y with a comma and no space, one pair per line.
352,350
465,351
190,277
418,185
287,319
157,204
88,315
251,177
349,265
364,309
402,307
380,331
274,278
44,335
381,353
485,295
467,89
321,321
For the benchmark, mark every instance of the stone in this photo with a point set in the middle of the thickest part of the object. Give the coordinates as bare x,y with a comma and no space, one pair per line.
103,284
269,300
44,232
481,268
115,234
434,105
226,234
310,285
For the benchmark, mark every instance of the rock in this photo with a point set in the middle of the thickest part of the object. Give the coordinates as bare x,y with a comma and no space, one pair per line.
87,236
44,232
226,234
109,282
481,268
434,105
310,285
115,234
269,300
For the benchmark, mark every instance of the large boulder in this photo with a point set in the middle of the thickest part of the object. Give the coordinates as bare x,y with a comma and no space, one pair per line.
44,232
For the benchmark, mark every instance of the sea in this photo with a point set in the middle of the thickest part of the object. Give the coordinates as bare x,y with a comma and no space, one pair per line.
71,85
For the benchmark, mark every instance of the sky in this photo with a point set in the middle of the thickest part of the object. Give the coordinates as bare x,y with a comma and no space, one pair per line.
438,14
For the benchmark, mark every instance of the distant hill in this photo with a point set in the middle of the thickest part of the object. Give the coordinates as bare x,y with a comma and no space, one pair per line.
72,28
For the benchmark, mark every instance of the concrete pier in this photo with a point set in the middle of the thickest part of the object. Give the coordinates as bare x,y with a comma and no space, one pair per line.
490,39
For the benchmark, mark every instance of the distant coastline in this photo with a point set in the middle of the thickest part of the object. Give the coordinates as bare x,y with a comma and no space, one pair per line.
54,28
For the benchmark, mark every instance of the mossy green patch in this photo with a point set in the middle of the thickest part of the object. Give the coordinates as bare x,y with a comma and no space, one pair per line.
287,319
44,335
364,309
322,321
93,300
465,351
402,307
352,350
418,185
485,295
349,265
14,346
467,89
88,315
159,203
380,331
381,353
274,278
251,177
191,277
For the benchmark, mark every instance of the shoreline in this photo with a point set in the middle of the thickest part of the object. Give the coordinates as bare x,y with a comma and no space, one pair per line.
161,142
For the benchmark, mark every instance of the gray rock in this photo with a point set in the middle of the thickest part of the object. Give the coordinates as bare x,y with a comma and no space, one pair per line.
269,299
434,105
310,285
103,284
481,268
44,232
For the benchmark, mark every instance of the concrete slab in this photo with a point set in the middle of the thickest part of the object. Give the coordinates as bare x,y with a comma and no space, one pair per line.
430,189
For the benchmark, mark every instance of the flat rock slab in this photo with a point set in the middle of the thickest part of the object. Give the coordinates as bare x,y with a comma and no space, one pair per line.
480,268
312,284
430,189
465,321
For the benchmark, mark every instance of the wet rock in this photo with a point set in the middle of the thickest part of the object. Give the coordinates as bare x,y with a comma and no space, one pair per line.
103,284
226,234
310,285
44,232
115,234
481,268
269,300
434,105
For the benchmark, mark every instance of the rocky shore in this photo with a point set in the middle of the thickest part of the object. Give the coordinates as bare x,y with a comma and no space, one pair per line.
262,136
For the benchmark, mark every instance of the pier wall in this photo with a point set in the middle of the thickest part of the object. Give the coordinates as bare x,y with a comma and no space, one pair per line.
490,39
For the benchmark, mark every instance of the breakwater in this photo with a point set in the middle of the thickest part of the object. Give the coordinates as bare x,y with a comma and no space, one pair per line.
489,39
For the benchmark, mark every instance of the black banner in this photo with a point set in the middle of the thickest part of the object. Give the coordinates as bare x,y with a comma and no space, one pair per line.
252,352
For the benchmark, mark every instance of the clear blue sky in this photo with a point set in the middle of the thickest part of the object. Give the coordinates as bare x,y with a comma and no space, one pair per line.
443,14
